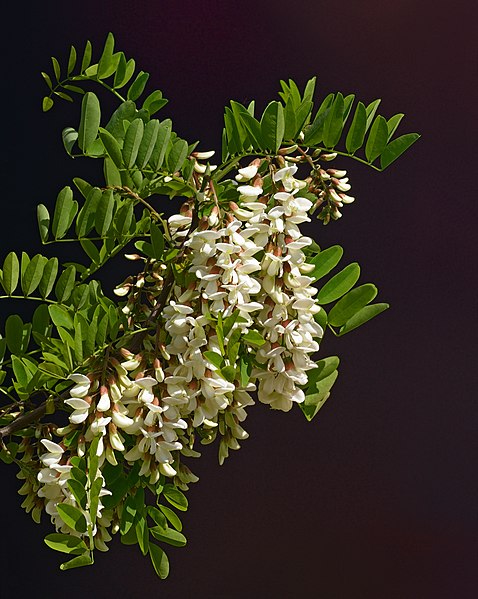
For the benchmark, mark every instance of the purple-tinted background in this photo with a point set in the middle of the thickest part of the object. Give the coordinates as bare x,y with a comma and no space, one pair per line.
376,498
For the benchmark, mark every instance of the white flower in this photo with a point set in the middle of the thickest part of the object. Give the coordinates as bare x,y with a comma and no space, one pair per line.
80,409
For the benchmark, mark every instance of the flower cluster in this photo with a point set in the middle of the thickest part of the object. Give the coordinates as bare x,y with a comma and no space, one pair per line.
240,321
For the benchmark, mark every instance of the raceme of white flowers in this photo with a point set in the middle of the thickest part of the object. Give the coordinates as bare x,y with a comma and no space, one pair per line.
247,262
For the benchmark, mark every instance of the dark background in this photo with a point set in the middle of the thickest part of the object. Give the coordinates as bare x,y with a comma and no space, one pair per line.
376,498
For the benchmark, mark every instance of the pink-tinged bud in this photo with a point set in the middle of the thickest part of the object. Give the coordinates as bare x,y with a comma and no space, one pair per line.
346,199
328,157
334,196
336,173
289,150
233,206
203,155
122,291
324,174
133,257
258,182
277,251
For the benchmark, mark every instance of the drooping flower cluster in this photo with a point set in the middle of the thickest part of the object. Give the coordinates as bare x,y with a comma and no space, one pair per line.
240,321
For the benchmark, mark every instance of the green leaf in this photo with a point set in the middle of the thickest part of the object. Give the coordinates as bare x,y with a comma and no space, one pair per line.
250,124
325,261
356,134
11,272
56,68
175,497
64,96
69,137
216,359
363,316
272,126
50,273
85,63
112,146
158,517
125,112
314,402
393,123
20,371
351,303
33,274
334,122
66,543
77,562
106,65
157,241
91,250
154,102
40,320
177,155
86,218
78,491
65,211
47,79
229,322
142,534
71,60
60,316
396,148
159,560
138,86
15,334
370,111
104,212
313,134
325,368
111,173
229,373
72,517
132,141
89,121
128,515
169,536
377,139
65,284
148,142
47,103
95,498
164,135
339,284
253,337
172,517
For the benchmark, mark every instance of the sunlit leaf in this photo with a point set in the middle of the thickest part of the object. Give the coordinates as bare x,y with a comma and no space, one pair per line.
89,121
65,211
160,561
351,303
132,141
363,316
377,139
339,284
11,273
33,274
66,543
138,86
396,148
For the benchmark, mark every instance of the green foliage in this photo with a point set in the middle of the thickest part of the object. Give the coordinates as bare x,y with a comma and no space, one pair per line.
75,325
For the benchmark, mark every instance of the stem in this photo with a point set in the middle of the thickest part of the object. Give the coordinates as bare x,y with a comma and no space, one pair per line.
28,297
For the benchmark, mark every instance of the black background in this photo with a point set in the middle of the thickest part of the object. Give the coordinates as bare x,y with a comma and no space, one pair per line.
376,498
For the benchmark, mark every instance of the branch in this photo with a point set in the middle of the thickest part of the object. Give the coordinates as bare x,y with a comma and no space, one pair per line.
29,417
